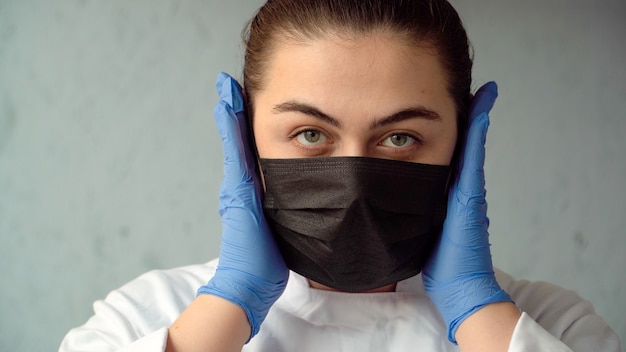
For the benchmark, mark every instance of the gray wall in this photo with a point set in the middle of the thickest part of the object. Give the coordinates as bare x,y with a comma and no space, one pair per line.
110,163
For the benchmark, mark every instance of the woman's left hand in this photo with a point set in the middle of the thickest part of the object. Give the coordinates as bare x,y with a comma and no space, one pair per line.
459,277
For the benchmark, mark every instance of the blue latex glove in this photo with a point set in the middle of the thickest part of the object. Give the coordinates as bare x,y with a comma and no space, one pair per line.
459,277
251,272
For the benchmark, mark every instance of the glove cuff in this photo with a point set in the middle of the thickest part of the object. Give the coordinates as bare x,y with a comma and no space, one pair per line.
499,296
460,298
253,295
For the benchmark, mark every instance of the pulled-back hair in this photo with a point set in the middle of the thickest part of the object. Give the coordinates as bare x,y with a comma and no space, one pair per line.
431,23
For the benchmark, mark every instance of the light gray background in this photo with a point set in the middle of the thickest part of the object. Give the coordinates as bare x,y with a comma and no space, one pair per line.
110,162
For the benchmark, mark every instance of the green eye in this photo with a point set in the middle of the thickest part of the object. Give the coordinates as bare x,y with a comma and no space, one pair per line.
399,141
311,137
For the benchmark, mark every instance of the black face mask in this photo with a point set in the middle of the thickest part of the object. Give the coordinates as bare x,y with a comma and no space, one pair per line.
354,223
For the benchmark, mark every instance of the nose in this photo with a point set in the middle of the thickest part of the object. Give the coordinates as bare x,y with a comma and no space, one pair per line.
353,148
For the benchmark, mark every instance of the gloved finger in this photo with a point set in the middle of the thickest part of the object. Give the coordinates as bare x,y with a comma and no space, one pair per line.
471,180
232,125
472,177
483,100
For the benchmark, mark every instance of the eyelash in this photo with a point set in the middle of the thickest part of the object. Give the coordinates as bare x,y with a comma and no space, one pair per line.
299,132
417,139
308,148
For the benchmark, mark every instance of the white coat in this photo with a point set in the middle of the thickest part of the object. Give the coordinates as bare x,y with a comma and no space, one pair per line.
136,317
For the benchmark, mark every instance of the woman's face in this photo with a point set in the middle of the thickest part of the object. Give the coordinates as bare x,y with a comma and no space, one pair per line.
370,96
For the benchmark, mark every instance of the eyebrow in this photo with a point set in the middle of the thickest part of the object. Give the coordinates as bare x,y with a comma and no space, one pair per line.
402,115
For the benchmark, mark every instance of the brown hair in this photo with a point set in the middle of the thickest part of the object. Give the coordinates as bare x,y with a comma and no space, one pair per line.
434,23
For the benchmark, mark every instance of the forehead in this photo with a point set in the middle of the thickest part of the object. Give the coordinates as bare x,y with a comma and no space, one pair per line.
369,74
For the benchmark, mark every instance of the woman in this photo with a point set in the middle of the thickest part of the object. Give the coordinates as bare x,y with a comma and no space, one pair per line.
367,137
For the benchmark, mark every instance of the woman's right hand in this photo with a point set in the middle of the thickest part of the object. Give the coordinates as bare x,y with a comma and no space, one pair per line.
251,272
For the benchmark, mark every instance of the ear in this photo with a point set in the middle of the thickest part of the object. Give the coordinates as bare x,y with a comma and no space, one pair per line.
248,105
245,96
249,117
